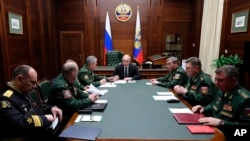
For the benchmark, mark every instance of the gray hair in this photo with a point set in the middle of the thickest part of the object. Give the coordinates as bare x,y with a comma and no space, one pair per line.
21,70
173,59
69,66
229,70
194,61
90,60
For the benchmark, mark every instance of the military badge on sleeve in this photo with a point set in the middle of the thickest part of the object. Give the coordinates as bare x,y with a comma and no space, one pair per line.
247,112
177,76
4,104
86,77
204,90
67,94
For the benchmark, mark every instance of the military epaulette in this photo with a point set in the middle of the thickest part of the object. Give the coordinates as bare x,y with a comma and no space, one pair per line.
243,94
8,93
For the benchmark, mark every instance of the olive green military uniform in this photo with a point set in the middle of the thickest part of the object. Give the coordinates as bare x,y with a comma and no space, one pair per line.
174,77
87,77
232,107
200,90
68,96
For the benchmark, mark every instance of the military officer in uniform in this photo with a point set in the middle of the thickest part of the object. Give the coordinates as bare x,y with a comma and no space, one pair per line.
231,106
20,117
86,75
199,87
176,75
66,94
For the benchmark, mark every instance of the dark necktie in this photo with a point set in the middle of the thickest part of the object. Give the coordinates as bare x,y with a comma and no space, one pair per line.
125,72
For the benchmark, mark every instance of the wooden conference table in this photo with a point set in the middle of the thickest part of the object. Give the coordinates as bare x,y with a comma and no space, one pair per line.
132,114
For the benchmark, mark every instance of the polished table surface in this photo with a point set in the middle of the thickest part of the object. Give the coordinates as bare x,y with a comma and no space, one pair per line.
133,114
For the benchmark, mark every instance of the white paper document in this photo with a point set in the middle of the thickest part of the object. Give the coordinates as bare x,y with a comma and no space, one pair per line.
148,83
180,110
101,101
165,93
108,85
93,89
120,82
91,118
131,81
103,92
78,118
157,97
54,123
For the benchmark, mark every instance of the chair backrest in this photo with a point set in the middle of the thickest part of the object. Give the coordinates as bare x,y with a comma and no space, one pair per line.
44,87
34,95
113,57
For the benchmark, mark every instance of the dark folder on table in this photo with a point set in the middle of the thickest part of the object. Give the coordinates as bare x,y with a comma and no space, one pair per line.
187,118
97,106
81,132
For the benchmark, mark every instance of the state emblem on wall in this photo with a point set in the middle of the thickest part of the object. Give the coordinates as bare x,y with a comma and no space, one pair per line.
123,12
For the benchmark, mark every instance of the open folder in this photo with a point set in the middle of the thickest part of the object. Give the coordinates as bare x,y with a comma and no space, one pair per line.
81,132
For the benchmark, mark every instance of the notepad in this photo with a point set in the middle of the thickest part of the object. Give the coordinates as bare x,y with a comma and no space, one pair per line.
200,129
81,132
160,97
108,85
186,118
180,110
91,118
165,93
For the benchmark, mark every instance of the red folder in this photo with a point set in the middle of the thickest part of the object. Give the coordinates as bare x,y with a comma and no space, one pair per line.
200,129
187,118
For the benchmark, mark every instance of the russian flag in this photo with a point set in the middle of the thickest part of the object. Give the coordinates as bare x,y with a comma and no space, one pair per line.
108,45
138,54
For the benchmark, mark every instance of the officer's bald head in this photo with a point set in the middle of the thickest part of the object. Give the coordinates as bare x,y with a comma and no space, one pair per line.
24,78
69,66
22,70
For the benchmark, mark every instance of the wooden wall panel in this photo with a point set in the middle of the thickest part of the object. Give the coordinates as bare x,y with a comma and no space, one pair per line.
29,47
234,43
157,18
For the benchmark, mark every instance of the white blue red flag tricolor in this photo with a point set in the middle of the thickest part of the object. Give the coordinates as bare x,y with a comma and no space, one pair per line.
108,45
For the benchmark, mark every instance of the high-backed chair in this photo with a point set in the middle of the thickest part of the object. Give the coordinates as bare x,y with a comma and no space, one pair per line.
34,95
44,87
113,57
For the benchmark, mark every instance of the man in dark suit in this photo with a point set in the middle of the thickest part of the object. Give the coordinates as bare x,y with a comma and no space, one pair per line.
126,70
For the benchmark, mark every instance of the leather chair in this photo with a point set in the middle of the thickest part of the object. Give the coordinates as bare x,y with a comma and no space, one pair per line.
44,87
113,57
34,95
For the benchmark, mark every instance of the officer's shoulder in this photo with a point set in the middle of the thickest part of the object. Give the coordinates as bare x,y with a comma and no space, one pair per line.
205,76
83,70
8,93
60,83
180,70
243,93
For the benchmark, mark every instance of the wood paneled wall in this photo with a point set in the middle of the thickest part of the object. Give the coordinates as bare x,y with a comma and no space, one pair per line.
36,46
234,43
157,17
44,20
